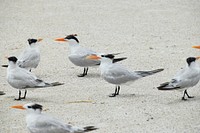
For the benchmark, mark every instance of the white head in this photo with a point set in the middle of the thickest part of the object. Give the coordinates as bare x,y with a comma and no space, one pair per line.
70,38
33,42
29,107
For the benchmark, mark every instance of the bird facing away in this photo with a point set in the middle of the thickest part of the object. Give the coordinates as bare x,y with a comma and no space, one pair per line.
37,122
20,78
185,78
78,54
118,75
30,57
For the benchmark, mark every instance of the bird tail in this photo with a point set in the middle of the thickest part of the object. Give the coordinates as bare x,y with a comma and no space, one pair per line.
4,65
119,59
147,73
167,86
89,128
53,84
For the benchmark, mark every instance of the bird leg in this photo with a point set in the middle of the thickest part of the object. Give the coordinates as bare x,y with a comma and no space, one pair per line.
185,92
114,94
84,72
24,95
118,88
188,94
19,96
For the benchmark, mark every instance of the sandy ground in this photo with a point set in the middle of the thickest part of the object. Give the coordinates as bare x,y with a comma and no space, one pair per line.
151,33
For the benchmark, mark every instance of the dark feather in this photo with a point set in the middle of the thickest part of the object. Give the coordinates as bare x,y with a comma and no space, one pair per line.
89,128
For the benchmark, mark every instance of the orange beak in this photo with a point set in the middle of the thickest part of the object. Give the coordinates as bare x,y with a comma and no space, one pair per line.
198,57
18,107
198,47
61,39
40,39
93,57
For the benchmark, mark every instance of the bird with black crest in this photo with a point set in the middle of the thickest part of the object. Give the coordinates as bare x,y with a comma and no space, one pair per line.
37,122
185,78
117,74
30,57
22,79
78,54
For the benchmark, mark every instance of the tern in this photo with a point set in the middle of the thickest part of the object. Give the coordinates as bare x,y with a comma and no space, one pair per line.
37,122
185,78
116,74
78,54
20,78
30,57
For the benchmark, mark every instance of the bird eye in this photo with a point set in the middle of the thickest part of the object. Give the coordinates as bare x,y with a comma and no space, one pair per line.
29,106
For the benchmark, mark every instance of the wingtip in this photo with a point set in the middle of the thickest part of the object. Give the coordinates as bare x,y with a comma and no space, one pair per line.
56,83
4,65
89,128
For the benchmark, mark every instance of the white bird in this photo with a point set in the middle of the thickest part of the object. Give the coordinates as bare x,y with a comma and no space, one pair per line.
78,54
37,122
185,78
30,57
20,78
116,74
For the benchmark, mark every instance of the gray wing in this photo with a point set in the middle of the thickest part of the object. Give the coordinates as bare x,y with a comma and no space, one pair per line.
45,124
21,78
29,58
79,57
183,79
117,74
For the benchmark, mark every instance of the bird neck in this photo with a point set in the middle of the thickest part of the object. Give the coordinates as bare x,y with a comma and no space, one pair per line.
34,45
37,111
193,65
106,61
105,64
73,43
12,65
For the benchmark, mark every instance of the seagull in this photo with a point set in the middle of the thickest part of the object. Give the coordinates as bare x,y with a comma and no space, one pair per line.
78,54
185,78
116,74
37,122
20,78
30,57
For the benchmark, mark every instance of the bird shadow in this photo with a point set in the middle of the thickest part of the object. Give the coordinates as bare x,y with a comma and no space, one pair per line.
34,99
178,101
128,96
93,75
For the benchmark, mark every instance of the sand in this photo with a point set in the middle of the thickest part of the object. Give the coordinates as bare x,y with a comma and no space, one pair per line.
151,33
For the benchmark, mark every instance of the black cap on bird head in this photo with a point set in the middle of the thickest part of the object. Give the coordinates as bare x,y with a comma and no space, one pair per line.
72,36
190,60
13,59
30,41
35,106
110,56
